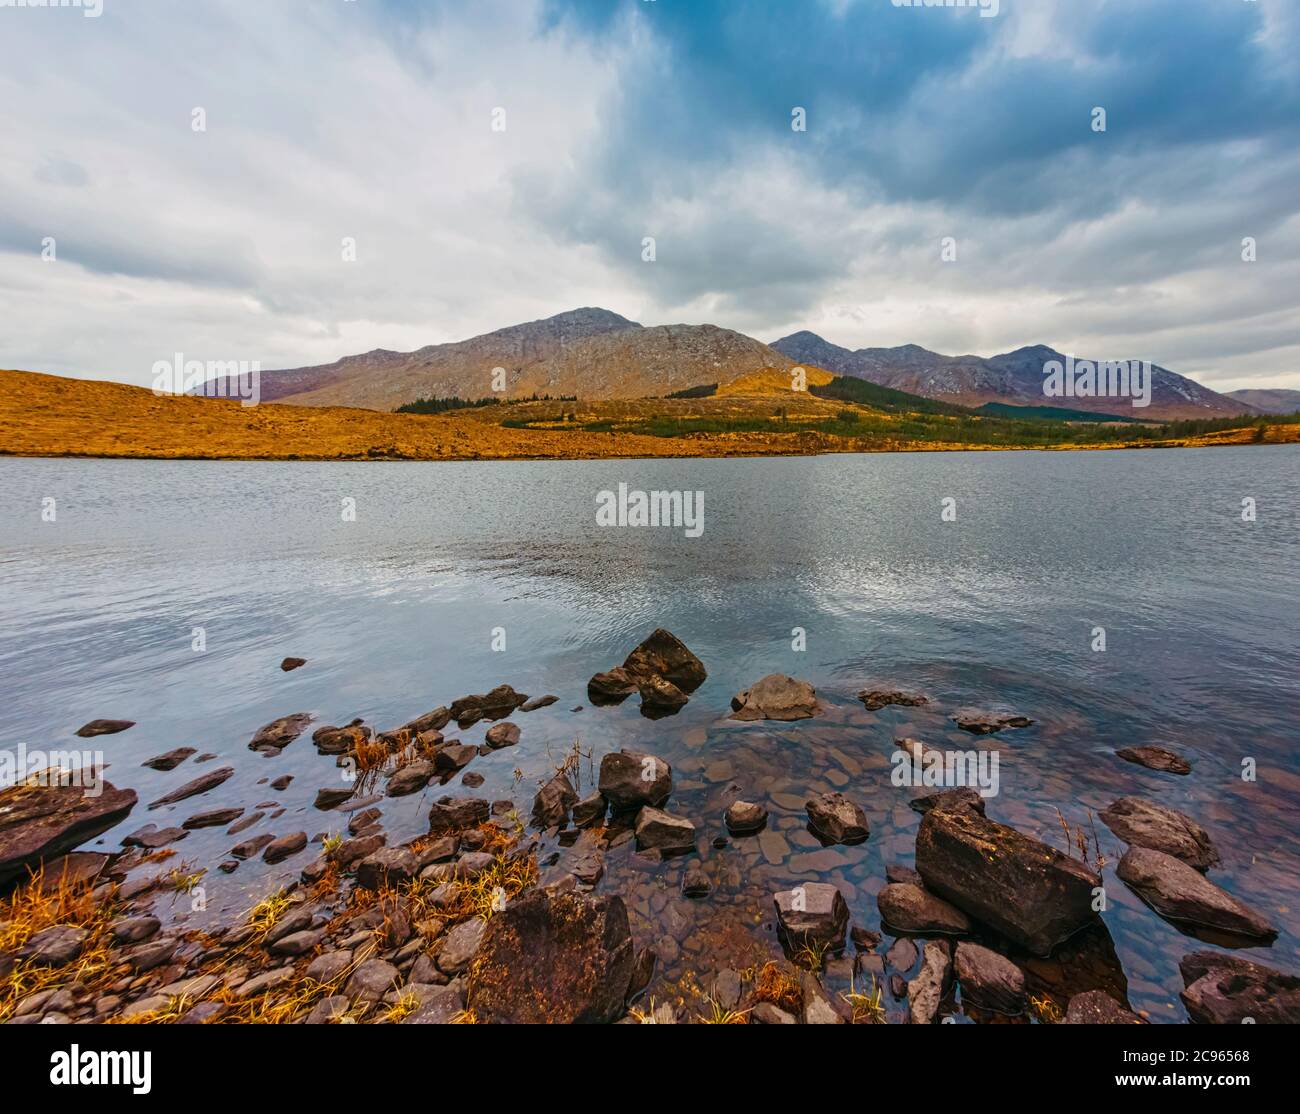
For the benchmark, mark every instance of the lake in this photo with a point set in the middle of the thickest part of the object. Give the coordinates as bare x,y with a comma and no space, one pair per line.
397,580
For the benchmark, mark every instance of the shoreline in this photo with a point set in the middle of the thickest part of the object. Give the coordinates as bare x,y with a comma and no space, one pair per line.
522,909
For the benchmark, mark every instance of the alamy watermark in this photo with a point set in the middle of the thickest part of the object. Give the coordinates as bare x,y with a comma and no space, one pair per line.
681,510
988,8
1092,379
932,768
53,768
241,379
91,9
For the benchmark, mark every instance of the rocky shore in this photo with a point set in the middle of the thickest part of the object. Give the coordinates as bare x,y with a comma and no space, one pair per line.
505,910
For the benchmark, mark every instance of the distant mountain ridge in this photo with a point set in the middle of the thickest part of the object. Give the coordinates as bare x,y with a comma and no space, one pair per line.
594,353
1268,400
589,352
1015,378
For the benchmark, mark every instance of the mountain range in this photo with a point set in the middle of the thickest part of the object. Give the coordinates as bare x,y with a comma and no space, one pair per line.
1269,401
593,353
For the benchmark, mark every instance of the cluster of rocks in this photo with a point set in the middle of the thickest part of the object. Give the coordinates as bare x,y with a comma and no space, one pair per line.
661,669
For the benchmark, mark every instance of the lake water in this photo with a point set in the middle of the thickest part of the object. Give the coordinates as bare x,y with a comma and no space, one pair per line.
397,612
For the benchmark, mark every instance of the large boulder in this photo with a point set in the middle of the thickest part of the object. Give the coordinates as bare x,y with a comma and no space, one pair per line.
665,655
553,958
631,780
813,914
776,697
988,980
1226,990
908,908
837,819
1031,893
1147,824
1181,894
42,822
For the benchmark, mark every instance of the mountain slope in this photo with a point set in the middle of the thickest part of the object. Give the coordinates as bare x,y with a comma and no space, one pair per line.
1276,400
1012,377
590,353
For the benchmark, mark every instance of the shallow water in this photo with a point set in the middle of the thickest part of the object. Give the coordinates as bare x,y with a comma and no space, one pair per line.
396,613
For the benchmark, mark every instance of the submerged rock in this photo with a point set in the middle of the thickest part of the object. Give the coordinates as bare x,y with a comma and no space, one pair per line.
1147,824
875,699
1156,758
1226,990
279,733
837,819
42,822
151,837
1181,894
104,727
631,780
1031,893
812,914
775,697
553,958
981,721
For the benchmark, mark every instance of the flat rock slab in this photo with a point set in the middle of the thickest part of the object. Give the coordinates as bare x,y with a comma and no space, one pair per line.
1181,894
151,837
926,992
213,818
1156,758
170,760
104,727
201,784
43,822
989,980
1146,824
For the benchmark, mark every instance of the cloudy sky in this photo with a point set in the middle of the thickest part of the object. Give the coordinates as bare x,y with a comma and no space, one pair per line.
373,119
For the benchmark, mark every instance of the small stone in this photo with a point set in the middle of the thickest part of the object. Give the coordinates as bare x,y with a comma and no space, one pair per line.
292,663
170,760
696,883
372,980
837,819
460,945
1156,758
104,727
745,818
661,831
386,869
501,735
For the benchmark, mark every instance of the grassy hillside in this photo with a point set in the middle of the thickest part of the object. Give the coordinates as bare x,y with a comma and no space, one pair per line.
45,415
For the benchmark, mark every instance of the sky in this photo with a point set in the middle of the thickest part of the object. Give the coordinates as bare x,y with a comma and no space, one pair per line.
498,161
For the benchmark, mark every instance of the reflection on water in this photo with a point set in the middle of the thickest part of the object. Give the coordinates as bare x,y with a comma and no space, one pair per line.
395,614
